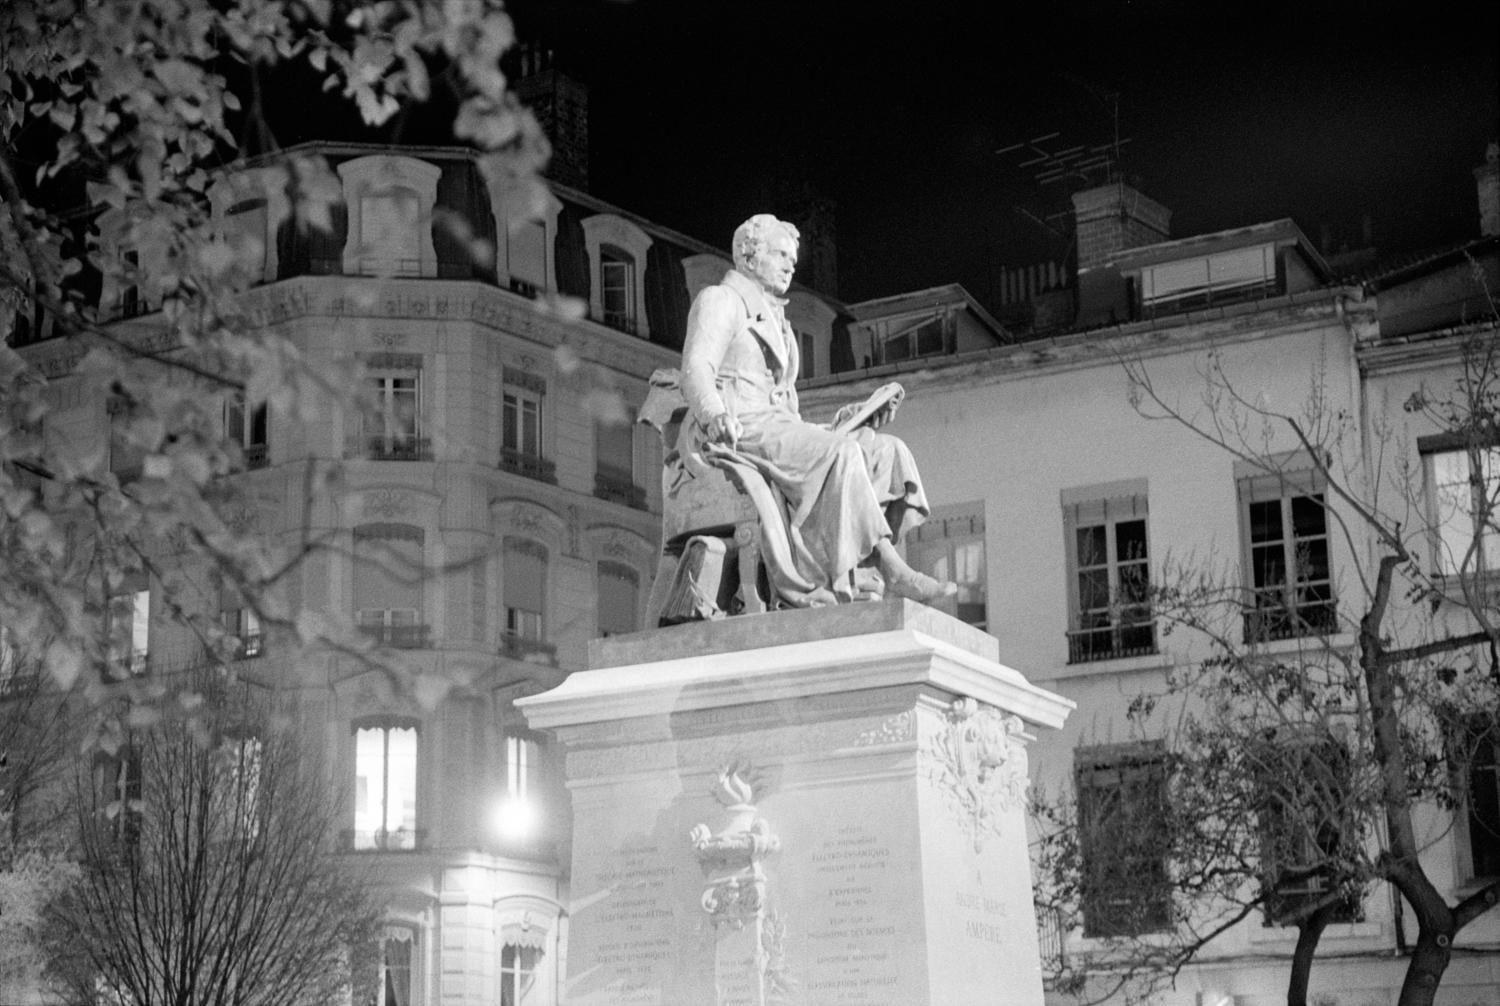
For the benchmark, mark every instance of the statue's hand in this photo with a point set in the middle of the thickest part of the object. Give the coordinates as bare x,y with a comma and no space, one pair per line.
884,415
725,429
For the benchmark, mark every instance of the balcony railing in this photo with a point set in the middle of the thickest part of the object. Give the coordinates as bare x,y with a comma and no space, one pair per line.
1272,622
618,486
393,448
536,651
398,637
256,456
382,840
1112,642
1050,933
530,465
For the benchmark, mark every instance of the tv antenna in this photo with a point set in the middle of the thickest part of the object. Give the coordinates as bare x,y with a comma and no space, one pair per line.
1083,163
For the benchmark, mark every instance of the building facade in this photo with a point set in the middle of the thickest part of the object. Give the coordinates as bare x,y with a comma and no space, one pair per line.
1066,504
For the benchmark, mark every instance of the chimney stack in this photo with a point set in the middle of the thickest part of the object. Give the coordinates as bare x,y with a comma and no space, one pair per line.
561,107
1110,219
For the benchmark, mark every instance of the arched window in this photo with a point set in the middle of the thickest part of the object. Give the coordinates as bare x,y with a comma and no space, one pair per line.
397,954
617,273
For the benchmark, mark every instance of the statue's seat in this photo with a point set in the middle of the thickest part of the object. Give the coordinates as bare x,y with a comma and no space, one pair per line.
709,526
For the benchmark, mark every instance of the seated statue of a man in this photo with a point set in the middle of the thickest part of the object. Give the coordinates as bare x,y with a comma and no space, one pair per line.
843,497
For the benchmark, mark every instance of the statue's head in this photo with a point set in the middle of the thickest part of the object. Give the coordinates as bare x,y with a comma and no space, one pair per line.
765,250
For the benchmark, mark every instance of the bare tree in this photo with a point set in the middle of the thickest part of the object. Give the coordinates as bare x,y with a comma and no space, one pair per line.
1293,777
210,875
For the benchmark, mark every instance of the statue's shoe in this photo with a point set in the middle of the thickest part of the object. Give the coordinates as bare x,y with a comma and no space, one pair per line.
916,586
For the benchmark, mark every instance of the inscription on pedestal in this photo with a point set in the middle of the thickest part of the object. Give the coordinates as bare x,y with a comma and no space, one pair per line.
853,954
628,933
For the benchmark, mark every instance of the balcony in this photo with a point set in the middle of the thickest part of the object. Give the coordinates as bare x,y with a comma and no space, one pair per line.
1136,638
401,448
535,651
398,637
618,486
382,840
1270,622
532,466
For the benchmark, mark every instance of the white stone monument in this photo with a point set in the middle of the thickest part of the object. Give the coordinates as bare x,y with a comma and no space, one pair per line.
810,807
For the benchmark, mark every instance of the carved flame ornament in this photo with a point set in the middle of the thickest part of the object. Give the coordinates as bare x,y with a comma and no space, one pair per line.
735,891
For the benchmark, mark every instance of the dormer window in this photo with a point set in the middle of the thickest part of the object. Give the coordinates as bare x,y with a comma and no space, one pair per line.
617,273
525,234
1240,274
390,201
617,288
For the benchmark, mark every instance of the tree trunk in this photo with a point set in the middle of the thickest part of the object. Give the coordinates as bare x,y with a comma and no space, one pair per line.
1309,931
1428,962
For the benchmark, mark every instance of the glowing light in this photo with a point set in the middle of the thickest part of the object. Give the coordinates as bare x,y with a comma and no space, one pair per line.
516,819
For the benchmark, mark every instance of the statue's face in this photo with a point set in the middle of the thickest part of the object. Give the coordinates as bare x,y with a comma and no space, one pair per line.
774,263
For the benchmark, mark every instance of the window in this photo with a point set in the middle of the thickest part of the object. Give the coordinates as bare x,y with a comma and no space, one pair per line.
528,257
1239,274
521,443
392,425
950,546
388,573
247,429
1123,842
617,289
617,263
1108,560
619,593
127,458
238,787
129,628
809,350
1284,524
1464,491
1479,757
385,785
390,201
247,229
517,974
927,337
1305,819
394,988
117,793
614,462
525,592
243,625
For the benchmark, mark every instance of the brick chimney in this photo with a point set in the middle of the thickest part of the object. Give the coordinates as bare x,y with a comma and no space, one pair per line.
561,107
1487,178
1114,217
1108,220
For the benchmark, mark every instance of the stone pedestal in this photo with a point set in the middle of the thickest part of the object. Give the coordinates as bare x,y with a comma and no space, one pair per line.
802,808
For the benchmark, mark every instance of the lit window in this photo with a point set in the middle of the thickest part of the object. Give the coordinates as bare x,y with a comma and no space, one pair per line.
237,787
1284,523
522,447
391,426
385,786
388,573
395,984
1464,494
619,593
1305,815
1239,274
129,626
1122,806
525,591
950,546
517,974
519,818
1109,572
617,289
247,430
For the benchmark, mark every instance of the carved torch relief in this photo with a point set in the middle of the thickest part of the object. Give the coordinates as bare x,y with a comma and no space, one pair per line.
734,892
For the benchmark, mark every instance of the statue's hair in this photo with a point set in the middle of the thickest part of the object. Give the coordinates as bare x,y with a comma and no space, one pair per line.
751,236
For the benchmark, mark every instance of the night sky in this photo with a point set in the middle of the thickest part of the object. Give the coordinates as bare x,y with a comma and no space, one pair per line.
1324,112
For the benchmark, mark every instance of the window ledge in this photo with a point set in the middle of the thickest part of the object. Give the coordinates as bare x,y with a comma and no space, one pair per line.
1118,665
1286,936
1339,641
